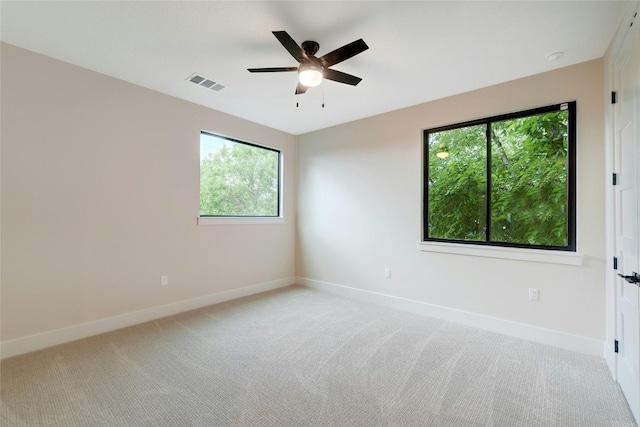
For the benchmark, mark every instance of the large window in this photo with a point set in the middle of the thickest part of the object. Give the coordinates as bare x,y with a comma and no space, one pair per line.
503,181
238,179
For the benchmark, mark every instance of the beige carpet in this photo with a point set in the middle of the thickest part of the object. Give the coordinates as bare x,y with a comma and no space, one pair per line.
298,357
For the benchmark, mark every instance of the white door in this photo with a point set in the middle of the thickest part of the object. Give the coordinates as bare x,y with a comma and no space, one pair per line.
627,152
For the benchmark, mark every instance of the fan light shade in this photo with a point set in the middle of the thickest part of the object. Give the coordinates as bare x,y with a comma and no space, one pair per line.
310,76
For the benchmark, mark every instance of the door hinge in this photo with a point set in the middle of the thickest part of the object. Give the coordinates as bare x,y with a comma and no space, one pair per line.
615,263
615,346
614,97
615,179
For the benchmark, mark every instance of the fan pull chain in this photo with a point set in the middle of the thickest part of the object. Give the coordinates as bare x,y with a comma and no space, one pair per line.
322,96
297,98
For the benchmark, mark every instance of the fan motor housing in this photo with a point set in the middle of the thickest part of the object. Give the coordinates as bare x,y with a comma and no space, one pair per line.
310,47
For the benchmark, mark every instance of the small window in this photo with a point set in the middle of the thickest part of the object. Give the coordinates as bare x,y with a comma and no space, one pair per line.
238,179
504,181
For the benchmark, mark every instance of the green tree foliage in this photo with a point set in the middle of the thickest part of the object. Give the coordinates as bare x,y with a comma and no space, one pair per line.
239,180
529,188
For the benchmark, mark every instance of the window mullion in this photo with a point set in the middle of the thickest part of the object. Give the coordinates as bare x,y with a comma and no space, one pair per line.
488,188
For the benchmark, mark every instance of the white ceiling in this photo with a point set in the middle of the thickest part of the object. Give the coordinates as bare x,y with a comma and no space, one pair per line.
418,51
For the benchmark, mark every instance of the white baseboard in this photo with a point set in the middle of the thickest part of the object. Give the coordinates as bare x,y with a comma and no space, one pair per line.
60,336
519,330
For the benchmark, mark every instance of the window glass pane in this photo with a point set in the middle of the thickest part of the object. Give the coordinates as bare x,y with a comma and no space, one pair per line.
457,181
506,180
529,189
237,179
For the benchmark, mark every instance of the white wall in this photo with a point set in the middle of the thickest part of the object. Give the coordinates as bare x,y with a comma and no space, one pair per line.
359,210
100,194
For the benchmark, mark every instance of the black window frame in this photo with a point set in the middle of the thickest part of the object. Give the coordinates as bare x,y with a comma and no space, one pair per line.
571,177
252,144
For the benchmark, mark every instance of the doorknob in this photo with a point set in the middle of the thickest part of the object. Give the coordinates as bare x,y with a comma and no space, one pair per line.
633,278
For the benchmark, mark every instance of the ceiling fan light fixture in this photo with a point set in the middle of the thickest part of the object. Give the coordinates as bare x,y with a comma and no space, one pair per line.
310,75
312,70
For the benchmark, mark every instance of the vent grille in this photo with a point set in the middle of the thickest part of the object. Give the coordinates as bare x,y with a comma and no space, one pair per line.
205,82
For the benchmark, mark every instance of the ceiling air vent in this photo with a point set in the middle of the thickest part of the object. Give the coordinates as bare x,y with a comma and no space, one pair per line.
205,82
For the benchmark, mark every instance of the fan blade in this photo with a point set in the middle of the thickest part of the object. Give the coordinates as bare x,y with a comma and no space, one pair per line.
294,49
342,53
271,70
300,89
340,77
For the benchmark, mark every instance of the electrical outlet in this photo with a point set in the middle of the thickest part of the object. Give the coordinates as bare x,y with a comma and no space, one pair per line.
533,294
164,280
387,273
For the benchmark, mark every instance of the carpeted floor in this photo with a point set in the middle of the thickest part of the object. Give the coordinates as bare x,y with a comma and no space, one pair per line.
298,357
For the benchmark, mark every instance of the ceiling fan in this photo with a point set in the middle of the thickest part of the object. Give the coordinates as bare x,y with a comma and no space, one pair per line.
312,70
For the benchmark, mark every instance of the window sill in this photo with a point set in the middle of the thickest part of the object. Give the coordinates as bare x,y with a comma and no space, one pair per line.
534,255
239,220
